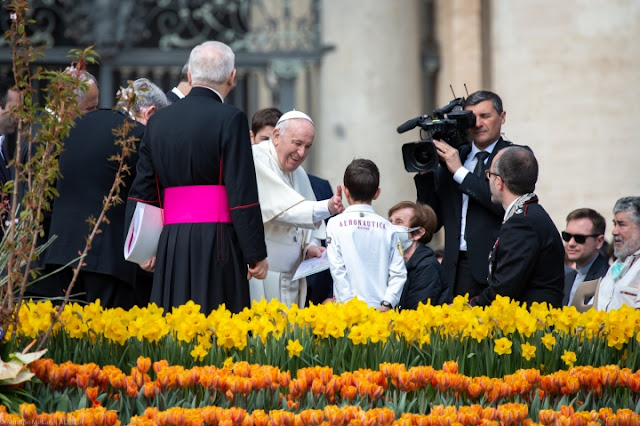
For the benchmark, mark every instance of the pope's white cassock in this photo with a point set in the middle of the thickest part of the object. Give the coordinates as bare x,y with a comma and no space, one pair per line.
293,220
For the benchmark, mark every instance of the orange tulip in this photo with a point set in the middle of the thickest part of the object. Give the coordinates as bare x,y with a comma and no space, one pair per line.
132,391
143,364
450,367
312,417
317,387
572,385
82,381
160,365
92,393
609,375
381,416
28,412
567,410
474,390
150,390
280,417
626,417
547,417
175,416
236,415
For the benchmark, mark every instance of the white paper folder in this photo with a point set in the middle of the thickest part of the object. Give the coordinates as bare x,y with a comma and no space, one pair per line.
144,232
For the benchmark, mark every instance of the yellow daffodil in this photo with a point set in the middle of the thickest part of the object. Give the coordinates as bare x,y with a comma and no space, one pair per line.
569,358
199,353
358,335
528,351
548,340
294,347
502,346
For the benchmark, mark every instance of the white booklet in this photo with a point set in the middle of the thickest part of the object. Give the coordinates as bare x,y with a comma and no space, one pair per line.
144,232
312,266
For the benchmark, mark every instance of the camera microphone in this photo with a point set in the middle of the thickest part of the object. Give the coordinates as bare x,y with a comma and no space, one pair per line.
411,124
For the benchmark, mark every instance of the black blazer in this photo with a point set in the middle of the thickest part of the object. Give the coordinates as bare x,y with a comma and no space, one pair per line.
425,281
527,260
444,195
172,97
87,174
5,172
320,285
598,269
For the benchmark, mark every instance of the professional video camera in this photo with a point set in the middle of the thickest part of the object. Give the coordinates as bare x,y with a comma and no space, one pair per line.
449,123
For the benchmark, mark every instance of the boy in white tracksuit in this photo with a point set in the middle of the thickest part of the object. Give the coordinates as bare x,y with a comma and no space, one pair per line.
364,254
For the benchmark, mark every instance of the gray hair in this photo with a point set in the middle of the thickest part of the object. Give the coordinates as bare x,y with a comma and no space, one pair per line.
184,74
631,205
147,94
211,63
83,76
484,95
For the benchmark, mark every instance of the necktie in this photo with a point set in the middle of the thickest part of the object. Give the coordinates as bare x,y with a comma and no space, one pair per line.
479,169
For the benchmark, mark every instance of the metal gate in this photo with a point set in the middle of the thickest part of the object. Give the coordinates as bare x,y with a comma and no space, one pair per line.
275,41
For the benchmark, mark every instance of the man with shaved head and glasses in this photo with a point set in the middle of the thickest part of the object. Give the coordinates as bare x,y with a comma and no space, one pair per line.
527,260
583,238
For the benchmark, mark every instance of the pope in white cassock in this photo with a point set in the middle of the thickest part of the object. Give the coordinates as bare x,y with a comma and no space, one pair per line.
293,219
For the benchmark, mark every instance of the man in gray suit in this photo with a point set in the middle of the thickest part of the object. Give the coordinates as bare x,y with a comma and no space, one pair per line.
583,239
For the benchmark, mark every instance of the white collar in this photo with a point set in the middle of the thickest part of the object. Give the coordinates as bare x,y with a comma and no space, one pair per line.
475,149
179,94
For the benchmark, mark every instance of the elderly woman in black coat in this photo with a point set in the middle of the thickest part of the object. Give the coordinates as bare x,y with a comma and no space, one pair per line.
415,225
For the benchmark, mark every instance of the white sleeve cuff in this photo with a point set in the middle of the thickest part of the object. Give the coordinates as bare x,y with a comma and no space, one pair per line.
460,174
321,211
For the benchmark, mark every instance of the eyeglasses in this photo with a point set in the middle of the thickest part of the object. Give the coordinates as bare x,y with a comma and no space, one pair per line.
488,174
579,238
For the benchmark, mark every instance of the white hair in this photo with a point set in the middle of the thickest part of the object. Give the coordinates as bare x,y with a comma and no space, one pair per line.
211,63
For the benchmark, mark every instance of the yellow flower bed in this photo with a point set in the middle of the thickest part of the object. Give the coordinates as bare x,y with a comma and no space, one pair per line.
492,341
354,319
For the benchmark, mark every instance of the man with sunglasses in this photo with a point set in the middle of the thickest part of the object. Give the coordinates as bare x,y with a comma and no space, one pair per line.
583,239
527,260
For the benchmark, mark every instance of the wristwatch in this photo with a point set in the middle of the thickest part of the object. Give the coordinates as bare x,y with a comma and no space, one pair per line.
386,304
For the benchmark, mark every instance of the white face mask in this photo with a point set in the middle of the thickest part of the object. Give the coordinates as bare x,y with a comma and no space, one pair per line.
403,235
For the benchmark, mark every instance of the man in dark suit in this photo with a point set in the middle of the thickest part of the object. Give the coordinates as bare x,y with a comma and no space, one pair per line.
320,285
527,260
183,87
583,239
87,174
195,160
9,98
459,194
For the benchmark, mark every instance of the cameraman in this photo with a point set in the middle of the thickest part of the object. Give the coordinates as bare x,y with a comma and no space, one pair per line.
459,193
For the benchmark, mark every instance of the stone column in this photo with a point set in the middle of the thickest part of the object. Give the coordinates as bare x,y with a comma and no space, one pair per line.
368,85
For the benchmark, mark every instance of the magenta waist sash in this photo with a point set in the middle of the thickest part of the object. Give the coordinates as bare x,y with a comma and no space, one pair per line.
196,204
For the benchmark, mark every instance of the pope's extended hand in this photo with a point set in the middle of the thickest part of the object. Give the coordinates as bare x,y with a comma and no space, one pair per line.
258,270
335,202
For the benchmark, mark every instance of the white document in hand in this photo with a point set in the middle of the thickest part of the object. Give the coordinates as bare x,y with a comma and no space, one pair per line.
312,266
144,232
